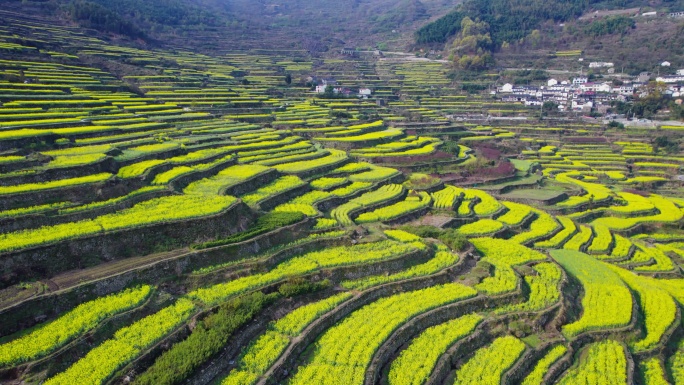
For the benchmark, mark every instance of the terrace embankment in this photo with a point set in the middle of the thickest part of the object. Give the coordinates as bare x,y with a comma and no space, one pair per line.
110,246
78,286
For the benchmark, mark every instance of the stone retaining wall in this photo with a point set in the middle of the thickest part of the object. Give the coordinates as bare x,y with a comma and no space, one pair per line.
39,309
49,260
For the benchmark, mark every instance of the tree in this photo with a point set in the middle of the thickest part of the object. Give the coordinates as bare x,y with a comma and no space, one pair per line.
534,38
329,92
549,107
617,125
669,146
610,25
288,79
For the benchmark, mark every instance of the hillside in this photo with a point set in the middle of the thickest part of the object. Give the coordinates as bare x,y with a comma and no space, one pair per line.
525,32
223,205
213,24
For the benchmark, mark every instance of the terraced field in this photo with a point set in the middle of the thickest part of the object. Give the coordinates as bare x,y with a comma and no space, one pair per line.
208,223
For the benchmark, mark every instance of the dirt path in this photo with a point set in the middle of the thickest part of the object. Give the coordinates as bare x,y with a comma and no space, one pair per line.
75,277
14,295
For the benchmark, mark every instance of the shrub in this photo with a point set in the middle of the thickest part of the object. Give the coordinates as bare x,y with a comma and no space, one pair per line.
297,286
454,239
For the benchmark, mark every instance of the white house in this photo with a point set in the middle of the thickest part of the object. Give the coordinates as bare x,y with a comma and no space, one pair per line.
552,82
680,72
603,87
559,89
670,78
508,87
665,64
600,64
677,14
625,89
580,80
321,89
595,87
649,14
582,104
365,93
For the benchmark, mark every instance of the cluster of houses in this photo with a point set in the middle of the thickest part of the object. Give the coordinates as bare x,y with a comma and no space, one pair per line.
322,85
579,94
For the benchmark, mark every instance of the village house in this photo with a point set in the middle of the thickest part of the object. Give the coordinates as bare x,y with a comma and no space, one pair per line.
559,88
625,89
533,102
324,83
582,104
670,79
348,51
527,90
343,91
365,93
595,87
580,80
506,88
600,64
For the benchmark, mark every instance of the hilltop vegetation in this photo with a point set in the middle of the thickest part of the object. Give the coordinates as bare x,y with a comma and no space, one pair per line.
530,26
514,21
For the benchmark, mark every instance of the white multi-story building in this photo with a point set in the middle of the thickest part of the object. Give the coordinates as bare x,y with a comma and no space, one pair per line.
595,87
601,64
670,78
580,80
625,89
